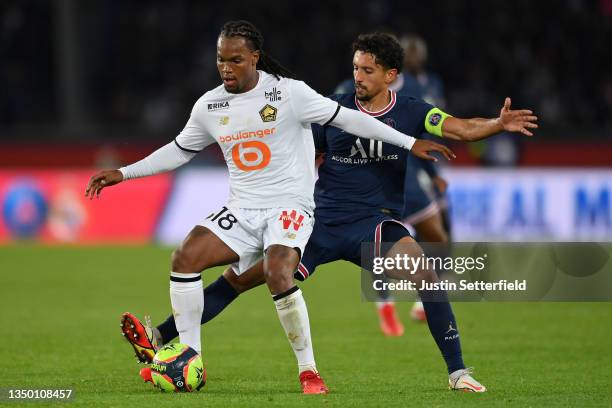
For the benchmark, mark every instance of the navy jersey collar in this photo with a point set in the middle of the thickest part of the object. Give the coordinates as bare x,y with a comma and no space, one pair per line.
381,112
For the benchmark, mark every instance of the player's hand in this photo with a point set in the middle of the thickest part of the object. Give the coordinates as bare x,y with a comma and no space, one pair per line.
517,120
440,184
100,180
319,159
422,148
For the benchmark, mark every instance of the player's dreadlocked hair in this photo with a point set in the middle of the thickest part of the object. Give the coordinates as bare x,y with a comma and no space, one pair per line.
386,49
255,40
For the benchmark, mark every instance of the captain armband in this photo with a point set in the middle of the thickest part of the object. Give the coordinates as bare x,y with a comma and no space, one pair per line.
434,120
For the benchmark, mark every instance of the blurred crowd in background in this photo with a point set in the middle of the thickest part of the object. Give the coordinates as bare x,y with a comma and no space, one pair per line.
109,70
98,84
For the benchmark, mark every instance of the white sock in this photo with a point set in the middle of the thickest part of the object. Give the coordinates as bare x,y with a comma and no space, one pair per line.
187,298
293,316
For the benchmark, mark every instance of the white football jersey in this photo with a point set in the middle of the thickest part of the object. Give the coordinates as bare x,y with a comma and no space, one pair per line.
266,139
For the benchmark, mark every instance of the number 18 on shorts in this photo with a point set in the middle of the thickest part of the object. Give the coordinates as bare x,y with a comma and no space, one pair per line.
249,231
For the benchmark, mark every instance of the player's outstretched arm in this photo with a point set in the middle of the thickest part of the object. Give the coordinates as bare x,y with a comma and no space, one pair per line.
470,130
363,125
166,158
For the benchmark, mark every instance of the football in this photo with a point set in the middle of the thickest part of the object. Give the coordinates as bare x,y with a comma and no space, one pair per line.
178,368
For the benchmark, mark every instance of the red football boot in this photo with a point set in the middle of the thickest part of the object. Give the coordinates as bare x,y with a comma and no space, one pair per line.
312,383
390,323
140,337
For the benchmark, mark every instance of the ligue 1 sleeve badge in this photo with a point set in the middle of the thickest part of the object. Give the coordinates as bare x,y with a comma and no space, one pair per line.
434,119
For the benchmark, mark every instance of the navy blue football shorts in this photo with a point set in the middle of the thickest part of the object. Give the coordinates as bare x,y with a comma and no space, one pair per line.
332,242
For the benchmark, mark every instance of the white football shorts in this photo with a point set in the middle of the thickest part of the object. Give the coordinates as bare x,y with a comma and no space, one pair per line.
250,231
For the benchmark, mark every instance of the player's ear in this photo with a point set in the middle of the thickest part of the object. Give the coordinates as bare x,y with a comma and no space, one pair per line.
390,75
256,55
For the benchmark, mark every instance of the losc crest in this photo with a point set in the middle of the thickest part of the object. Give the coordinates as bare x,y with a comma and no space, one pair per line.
268,113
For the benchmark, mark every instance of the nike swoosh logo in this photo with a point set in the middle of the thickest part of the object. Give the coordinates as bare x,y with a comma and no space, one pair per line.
473,386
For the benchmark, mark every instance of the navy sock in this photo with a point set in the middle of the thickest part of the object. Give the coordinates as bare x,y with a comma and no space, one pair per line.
443,327
217,296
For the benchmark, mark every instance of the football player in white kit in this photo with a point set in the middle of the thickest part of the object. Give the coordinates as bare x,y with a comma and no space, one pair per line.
261,120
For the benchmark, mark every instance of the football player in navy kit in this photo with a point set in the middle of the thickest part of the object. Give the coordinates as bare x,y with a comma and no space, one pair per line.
424,202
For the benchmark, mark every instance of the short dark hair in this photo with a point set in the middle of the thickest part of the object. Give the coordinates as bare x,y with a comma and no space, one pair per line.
255,40
385,48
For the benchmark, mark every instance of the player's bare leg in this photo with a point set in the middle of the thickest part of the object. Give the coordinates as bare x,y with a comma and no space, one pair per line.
431,229
280,264
440,318
200,250
250,279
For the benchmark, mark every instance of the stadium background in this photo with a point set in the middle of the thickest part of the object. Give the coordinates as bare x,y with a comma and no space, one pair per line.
98,84
90,85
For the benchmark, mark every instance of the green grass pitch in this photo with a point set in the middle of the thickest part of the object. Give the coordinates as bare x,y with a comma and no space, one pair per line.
60,328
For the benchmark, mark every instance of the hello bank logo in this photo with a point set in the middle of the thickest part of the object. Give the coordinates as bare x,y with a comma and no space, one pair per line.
273,96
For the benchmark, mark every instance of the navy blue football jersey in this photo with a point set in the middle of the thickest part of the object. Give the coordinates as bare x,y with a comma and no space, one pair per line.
428,87
362,177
